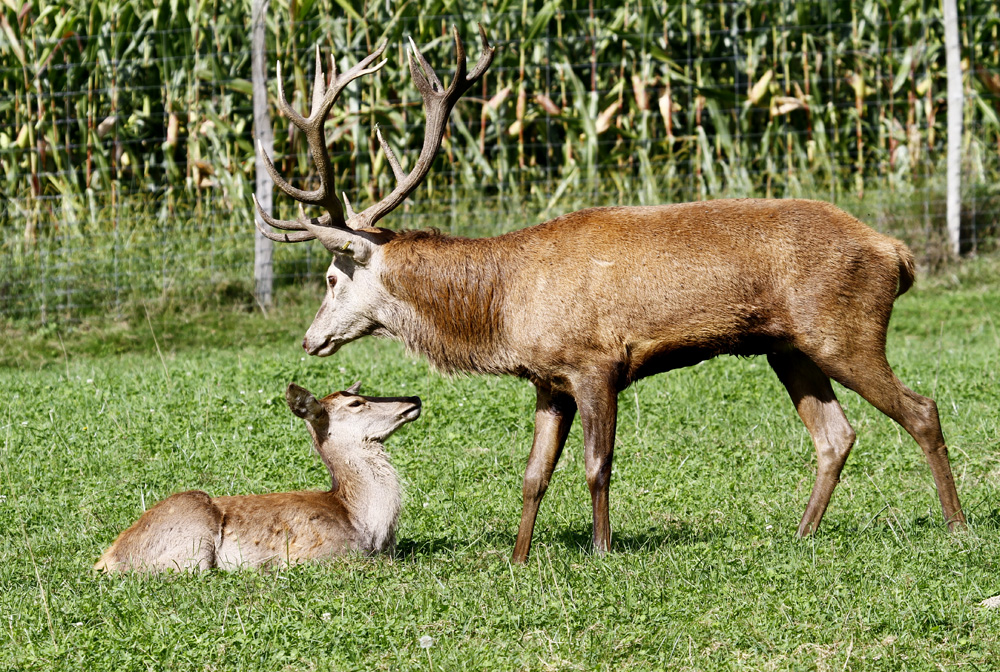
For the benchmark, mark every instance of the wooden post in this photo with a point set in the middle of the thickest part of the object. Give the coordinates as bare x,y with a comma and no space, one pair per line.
263,269
956,99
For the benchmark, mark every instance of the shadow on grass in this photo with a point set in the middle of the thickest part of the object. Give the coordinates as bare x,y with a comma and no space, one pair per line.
576,539
412,549
982,521
630,541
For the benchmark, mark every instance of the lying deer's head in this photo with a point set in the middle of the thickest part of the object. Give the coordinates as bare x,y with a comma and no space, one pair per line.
355,295
350,417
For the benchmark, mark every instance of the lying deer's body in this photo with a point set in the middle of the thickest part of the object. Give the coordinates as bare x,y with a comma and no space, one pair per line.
191,530
587,303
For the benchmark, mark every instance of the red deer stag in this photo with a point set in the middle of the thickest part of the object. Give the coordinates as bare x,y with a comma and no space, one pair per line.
191,530
587,303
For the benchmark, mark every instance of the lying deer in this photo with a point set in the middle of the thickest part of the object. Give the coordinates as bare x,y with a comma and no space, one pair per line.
191,530
587,303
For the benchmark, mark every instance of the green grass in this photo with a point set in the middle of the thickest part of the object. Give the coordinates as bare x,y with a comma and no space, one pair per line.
713,470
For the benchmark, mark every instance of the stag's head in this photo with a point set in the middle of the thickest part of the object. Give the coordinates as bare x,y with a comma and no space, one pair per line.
355,295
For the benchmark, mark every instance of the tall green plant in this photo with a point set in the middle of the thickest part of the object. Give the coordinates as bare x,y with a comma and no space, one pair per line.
130,120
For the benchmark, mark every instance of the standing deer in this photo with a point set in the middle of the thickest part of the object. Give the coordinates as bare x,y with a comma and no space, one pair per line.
191,530
587,303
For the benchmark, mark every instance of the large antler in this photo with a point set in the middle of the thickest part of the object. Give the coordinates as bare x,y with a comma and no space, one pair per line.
332,229
313,128
438,103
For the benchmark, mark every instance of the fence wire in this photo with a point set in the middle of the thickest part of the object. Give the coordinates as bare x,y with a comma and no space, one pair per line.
128,157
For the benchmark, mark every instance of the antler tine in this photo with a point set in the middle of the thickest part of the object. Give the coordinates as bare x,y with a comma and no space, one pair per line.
283,105
460,66
359,69
438,103
299,224
390,156
319,82
484,59
299,236
308,197
421,76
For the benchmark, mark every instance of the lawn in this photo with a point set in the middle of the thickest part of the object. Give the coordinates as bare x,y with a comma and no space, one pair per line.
713,471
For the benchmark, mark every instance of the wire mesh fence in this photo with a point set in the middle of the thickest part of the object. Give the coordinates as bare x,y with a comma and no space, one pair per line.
128,158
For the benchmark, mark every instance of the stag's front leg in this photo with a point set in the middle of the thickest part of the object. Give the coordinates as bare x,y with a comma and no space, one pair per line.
553,416
598,403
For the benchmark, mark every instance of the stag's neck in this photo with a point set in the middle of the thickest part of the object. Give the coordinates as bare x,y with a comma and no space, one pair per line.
450,300
369,487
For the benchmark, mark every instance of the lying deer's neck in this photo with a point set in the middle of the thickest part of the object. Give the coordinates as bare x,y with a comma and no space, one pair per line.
451,294
369,487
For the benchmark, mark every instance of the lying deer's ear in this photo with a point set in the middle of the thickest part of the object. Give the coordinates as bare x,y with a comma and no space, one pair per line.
354,389
302,403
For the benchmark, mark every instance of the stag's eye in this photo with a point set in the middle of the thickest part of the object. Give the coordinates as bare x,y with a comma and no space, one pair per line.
331,280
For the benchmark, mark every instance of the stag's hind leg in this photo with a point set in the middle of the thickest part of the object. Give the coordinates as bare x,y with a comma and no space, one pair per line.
867,372
823,416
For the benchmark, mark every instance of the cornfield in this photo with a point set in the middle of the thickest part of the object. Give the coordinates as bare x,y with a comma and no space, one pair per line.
127,153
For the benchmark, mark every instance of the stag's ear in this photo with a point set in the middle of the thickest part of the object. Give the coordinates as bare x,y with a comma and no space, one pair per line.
342,242
354,389
302,403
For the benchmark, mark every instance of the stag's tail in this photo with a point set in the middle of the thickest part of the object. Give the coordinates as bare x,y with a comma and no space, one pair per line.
907,269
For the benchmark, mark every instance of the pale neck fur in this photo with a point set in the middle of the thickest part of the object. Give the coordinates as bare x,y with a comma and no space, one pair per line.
369,488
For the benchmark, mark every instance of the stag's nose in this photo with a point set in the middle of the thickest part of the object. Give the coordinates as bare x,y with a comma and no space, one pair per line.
304,346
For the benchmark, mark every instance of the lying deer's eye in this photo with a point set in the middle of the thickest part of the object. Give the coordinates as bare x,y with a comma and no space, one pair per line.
354,403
